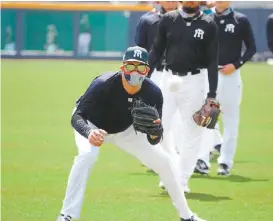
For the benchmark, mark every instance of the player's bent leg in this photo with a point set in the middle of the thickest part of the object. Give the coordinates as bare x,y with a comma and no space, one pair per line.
158,160
78,177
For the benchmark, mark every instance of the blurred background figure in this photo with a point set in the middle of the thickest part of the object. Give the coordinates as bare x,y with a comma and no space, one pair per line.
84,38
51,35
269,31
207,6
9,41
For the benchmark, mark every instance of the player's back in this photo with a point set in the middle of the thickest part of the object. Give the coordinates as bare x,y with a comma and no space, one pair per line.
147,30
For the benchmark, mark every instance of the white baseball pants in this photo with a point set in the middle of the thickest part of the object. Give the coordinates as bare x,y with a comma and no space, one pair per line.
229,94
185,94
84,40
158,78
151,156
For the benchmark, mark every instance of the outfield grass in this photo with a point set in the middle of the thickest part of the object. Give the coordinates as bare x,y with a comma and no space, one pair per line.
38,150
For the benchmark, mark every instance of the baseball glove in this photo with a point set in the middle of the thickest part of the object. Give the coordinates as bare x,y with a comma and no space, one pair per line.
143,119
208,115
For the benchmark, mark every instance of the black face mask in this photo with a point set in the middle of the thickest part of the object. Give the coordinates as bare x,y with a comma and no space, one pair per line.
189,10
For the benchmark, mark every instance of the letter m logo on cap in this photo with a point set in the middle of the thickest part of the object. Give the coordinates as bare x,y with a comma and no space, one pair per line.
136,54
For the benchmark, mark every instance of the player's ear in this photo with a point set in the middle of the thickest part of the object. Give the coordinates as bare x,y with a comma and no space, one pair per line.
122,68
147,69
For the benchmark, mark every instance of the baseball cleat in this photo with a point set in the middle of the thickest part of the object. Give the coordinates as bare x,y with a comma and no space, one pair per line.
218,148
63,217
161,185
186,189
201,167
193,218
223,169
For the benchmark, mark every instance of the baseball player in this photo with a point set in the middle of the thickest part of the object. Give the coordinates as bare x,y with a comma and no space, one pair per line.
190,41
147,29
103,114
145,34
269,31
234,30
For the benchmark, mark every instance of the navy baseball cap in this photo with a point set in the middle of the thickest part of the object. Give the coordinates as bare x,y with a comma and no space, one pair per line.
136,53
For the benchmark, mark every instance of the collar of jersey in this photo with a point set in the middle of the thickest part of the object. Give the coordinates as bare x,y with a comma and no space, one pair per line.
227,12
186,16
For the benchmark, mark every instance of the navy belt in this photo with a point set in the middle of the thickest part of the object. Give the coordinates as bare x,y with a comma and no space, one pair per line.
194,72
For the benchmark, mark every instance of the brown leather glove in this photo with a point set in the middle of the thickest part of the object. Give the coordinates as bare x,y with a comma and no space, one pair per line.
208,115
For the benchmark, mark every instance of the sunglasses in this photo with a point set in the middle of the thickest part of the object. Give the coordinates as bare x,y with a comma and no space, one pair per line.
141,68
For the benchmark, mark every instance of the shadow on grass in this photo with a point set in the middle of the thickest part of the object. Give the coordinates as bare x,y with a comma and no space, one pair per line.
144,174
231,178
199,196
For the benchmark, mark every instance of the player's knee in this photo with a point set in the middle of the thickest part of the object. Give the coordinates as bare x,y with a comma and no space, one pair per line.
88,158
163,163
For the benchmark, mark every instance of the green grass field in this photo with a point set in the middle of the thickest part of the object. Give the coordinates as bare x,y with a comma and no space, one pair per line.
38,150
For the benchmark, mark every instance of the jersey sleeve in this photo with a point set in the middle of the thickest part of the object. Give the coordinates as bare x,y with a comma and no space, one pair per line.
249,40
212,53
94,96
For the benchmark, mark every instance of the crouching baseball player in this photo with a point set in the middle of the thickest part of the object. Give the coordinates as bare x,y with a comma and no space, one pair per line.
113,108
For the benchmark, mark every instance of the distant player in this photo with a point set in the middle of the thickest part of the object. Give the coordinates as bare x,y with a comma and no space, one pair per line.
207,6
269,31
234,30
103,114
146,33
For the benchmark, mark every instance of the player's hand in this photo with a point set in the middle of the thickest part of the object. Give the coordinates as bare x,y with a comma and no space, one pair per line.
96,137
158,121
227,69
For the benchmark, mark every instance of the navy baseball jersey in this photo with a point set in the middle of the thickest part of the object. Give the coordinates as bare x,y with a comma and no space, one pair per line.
146,33
269,31
189,44
146,29
234,29
107,105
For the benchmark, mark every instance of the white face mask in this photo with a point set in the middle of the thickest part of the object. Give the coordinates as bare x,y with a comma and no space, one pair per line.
134,79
